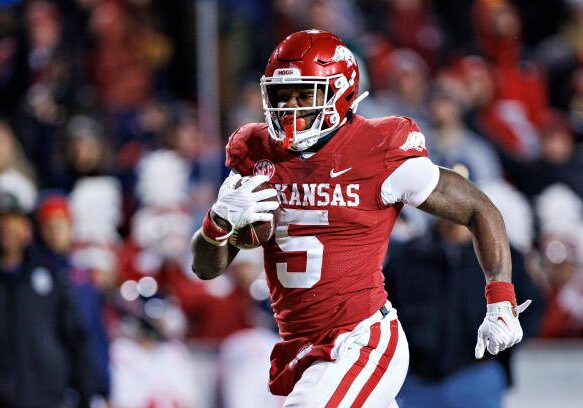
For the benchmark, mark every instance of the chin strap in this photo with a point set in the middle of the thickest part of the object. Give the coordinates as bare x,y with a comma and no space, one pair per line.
354,105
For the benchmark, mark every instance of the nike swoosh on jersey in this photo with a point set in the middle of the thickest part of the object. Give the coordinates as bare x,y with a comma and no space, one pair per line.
334,174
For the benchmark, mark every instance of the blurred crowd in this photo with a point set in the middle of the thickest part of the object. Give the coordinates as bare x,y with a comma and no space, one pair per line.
105,172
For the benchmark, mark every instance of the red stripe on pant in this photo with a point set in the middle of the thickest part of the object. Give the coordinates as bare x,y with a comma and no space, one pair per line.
381,368
357,367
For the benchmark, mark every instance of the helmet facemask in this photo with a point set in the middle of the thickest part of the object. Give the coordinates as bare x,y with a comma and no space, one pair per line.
287,125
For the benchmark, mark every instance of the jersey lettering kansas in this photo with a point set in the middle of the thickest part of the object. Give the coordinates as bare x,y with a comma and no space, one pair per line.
324,263
318,194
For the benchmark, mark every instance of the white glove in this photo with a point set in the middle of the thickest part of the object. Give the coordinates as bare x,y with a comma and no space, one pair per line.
241,206
500,328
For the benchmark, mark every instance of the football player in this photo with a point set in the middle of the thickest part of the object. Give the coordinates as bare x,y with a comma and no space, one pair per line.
341,181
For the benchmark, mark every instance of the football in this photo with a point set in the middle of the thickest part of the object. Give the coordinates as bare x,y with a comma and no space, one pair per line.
256,234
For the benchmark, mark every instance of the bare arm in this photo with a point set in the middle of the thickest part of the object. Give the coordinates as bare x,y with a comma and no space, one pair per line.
458,200
209,260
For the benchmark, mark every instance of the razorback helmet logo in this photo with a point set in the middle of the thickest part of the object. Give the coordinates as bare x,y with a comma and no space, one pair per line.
343,54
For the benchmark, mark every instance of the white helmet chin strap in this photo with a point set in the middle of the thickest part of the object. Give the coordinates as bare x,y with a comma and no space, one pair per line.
361,97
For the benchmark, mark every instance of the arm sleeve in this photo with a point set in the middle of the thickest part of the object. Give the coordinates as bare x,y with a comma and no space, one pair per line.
411,183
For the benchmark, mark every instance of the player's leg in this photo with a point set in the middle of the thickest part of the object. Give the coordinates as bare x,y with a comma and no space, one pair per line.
381,392
315,382
369,370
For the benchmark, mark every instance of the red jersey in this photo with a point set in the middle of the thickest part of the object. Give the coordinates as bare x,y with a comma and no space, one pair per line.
324,264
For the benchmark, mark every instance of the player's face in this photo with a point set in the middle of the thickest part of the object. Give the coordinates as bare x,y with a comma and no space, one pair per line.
299,96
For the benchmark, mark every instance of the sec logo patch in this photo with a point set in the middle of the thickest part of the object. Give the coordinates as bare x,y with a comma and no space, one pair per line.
264,167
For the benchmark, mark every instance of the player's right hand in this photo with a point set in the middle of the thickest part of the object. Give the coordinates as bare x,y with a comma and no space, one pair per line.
238,204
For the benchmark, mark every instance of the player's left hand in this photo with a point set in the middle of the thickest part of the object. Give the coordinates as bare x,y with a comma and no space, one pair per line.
500,328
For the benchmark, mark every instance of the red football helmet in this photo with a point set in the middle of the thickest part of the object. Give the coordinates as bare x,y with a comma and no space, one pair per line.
316,58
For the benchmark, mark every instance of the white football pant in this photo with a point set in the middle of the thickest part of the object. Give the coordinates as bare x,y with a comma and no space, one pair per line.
368,371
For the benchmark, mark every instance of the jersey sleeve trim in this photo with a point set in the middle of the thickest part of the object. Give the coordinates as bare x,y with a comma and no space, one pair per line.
411,183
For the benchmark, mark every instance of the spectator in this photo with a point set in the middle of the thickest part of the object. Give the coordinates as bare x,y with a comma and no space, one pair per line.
564,274
513,119
50,66
207,304
377,51
154,122
516,211
129,53
412,24
12,173
43,344
150,367
200,150
339,16
56,231
561,161
560,273
249,109
560,54
243,358
203,155
407,91
96,208
160,228
453,144
575,109
12,79
86,152
217,310
409,78
477,85
51,56
12,155
244,354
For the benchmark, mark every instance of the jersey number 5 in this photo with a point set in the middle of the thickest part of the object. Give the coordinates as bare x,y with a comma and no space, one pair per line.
310,245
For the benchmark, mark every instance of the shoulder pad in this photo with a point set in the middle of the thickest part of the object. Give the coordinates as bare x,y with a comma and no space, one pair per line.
237,148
